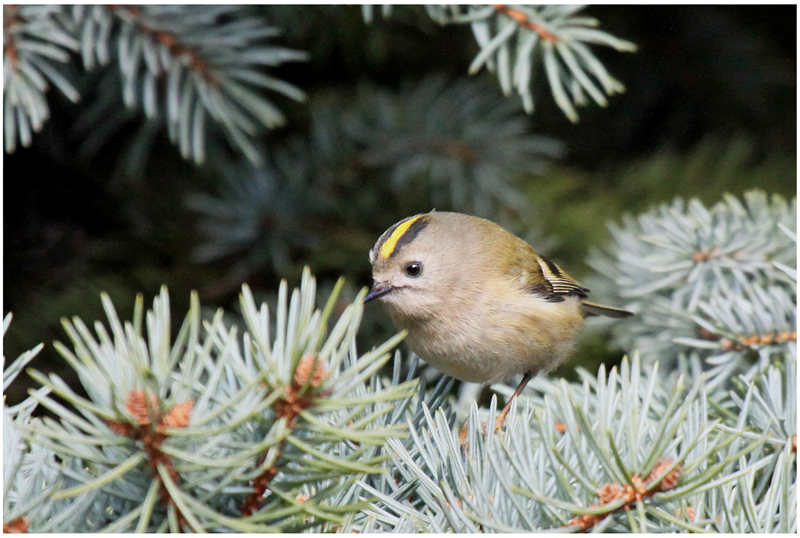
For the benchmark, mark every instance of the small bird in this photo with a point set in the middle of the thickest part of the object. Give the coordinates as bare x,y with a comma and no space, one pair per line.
478,303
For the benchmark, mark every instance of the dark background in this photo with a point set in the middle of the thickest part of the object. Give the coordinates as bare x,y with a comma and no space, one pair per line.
710,108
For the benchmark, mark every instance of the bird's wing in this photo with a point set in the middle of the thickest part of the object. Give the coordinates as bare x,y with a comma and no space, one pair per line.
553,284
549,282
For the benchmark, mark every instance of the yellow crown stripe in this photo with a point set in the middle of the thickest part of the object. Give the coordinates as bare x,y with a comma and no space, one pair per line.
389,245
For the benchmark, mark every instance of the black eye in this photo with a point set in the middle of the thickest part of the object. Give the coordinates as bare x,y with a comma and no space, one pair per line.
414,269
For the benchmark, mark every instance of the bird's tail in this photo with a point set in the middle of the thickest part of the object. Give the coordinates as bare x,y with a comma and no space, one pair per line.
592,309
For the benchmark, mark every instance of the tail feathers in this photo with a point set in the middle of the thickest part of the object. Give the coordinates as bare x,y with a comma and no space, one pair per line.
592,309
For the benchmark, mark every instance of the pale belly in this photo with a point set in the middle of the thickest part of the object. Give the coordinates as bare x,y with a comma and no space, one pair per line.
487,352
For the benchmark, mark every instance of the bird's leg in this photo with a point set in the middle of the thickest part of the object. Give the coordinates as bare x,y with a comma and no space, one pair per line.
501,418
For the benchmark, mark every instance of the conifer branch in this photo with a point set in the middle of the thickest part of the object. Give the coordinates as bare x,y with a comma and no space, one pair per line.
37,42
199,433
182,65
708,284
288,428
632,455
516,41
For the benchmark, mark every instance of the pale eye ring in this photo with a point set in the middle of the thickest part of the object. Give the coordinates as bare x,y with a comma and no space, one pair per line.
414,269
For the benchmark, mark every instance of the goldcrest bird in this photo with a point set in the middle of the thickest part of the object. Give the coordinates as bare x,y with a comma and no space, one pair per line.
478,303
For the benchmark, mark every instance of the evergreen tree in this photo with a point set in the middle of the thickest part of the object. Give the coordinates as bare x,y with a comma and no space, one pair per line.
296,410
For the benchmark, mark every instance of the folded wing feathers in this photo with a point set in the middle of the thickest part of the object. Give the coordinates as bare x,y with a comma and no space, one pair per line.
563,284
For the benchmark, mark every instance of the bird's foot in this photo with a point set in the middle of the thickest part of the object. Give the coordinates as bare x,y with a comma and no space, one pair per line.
464,432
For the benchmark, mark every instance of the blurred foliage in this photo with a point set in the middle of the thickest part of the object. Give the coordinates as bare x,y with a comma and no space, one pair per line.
710,108
715,166
455,145
718,284
197,72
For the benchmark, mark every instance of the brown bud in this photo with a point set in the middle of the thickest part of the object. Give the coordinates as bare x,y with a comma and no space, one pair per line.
635,492
18,526
304,371
178,416
669,481
136,404
609,492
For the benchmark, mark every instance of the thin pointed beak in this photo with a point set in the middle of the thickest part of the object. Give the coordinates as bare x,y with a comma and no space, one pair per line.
378,290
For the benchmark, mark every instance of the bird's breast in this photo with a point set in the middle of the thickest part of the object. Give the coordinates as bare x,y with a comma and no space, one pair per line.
503,339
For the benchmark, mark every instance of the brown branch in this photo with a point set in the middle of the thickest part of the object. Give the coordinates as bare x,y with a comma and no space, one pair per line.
743,341
145,410
298,395
523,20
254,501
170,40
706,255
768,339
636,491
11,18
